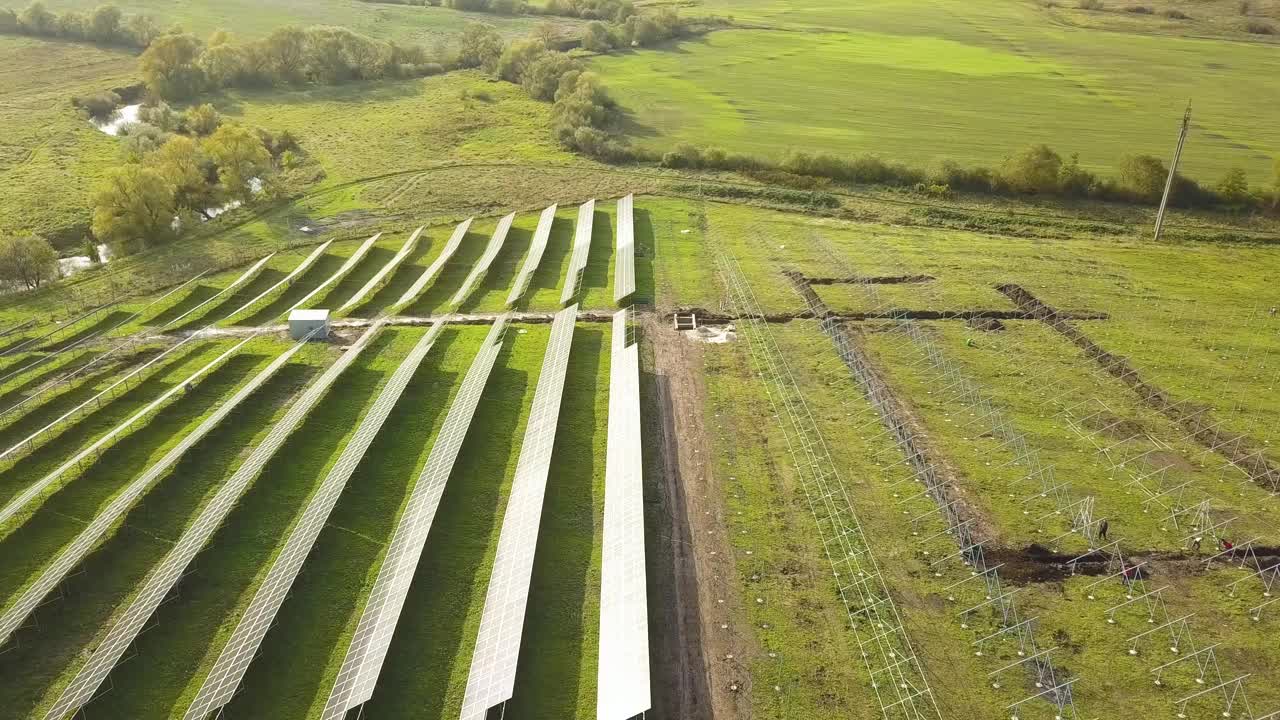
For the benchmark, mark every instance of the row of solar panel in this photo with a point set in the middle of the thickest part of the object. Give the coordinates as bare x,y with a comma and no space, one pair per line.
164,576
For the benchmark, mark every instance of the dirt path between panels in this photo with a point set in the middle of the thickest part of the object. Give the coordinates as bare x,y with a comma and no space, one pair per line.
692,682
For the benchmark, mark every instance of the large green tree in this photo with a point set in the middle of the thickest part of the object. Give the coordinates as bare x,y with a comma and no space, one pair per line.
27,261
170,68
240,156
133,206
184,166
37,20
479,45
104,24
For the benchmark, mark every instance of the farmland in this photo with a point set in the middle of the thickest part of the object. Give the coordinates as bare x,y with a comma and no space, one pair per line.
970,82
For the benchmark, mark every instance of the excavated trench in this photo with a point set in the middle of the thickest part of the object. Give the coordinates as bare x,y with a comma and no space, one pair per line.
882,280
1038,564
1242,451
974,315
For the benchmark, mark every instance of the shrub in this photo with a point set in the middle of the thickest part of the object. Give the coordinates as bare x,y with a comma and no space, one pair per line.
1139,9
596,37
99,105
27,261
201,120
1175,14
542,77
8,20
1245,7
1259,28
1091,5
160,115
1034,170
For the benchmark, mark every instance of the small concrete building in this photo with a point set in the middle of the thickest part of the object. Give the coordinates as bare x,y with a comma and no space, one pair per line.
303,322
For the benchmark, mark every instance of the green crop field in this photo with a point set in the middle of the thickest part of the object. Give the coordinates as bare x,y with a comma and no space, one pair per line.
970,82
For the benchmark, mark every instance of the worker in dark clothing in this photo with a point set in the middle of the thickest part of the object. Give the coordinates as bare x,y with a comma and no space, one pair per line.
1103,527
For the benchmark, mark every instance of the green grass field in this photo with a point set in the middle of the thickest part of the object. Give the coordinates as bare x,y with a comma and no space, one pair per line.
746,618
965,81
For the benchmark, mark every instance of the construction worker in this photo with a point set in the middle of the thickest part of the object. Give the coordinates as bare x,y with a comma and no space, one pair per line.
1228,547
1103,527
1195,544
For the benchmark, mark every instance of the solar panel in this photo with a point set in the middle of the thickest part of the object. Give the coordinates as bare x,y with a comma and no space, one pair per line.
493,663
451,247
536,250
337,277
482,266
624,270
622,689
285,282
233,662
87,339
84,543
581,249
28,442
245,277
59,329
368,649
377,280
161,580
33,491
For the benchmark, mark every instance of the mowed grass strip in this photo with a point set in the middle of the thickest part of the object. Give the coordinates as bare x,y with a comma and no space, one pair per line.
39,536
556,674
65,440
315,625
176,654
61,630
426,669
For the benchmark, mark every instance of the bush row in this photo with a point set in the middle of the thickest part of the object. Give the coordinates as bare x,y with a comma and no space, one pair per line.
1037,170
803,198
105,25
178,65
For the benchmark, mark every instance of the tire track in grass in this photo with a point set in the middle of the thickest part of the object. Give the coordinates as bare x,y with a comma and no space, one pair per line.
88,428
315,624
426,668
65,626
172,656
57,521
556,674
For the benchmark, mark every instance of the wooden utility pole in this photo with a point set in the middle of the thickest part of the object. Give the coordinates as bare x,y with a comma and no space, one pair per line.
1173,169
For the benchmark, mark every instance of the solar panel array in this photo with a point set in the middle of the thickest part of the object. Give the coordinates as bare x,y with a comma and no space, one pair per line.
245,277
624,270
451,247
87,339
536,249
162,579
581,249
24,345
482,265
368,650
29,441
337,277
287,280
493,663
377,280
84,543
233,662
622,689
33,491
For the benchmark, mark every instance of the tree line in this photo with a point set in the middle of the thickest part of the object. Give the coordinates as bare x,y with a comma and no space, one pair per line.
1037,170
105,25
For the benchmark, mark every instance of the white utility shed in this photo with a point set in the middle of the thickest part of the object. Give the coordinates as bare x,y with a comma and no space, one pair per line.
303,322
